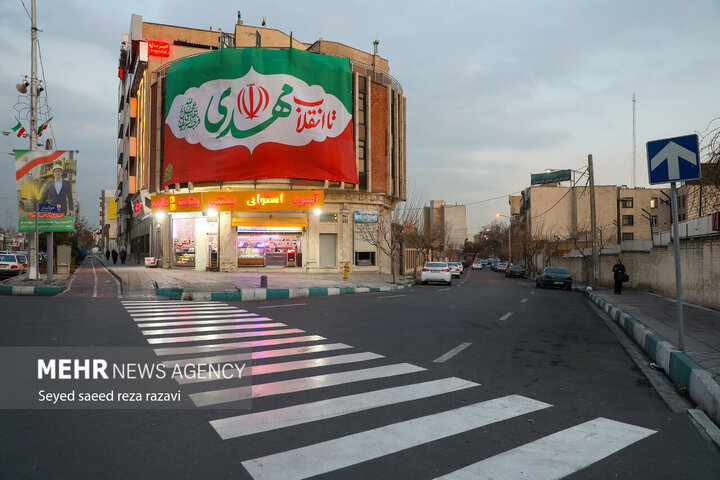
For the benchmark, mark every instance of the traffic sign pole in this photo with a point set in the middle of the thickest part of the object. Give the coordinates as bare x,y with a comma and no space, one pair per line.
678,276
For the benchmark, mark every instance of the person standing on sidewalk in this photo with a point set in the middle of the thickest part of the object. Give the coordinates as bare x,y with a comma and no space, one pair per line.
123,256
618,275
114,255
107,255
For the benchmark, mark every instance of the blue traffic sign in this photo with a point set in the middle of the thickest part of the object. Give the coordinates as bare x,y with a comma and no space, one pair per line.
673,159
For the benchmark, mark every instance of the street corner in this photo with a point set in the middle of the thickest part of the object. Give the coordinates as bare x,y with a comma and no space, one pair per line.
24,290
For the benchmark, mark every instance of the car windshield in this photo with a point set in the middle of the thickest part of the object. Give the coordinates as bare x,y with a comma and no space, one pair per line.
7,258
22,258
556,270
436,264
516,267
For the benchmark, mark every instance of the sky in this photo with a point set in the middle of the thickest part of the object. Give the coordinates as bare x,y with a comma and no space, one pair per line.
495,90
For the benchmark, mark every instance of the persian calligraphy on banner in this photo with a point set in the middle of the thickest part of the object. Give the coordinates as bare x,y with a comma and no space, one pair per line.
238,114
280,200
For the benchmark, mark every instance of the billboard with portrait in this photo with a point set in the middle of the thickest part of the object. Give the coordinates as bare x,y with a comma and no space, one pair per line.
250,113
45,181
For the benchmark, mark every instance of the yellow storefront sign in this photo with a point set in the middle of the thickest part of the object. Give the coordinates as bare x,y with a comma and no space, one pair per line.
278,200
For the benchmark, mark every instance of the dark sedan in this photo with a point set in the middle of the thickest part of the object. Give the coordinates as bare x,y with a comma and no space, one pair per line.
554,277
515,271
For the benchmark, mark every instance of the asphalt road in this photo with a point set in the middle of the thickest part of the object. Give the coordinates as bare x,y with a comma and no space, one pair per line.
538,387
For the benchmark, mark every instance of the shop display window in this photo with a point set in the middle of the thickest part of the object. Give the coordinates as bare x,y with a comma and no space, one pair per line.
263,250
184,242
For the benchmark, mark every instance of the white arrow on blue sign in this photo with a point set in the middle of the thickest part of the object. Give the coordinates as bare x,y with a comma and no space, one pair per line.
673,159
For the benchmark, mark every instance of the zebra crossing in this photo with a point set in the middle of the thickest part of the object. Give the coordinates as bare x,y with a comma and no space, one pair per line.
295,361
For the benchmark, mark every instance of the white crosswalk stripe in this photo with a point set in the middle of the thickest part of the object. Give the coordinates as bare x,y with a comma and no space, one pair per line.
557,455
215,328
551,457
345,451
243,425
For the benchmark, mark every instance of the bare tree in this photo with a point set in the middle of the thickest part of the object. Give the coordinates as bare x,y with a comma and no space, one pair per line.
391,231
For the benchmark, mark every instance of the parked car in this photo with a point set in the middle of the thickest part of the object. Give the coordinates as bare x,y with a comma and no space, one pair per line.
436,272
515,271
456,269
501,267
477,265
10,265
554,277
23,258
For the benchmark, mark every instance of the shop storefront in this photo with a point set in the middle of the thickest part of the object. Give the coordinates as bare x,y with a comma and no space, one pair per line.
267,229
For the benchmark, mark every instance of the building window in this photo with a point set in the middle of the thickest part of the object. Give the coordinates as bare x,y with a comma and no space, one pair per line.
361,108
654,220
184,241
328,217
627,202
365,259
628,220
628,236
654,202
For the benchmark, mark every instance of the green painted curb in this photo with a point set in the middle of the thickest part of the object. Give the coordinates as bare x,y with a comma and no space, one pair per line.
317,292
277,293
651,344
47,291
681,367
171,293
5,290
346,290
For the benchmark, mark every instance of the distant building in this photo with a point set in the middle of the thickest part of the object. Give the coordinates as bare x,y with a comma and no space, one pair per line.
450,219
108,221
563,213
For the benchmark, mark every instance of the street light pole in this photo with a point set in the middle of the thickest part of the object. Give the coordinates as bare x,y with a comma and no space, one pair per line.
593,222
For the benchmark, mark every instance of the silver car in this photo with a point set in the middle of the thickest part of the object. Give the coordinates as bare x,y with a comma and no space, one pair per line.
436,272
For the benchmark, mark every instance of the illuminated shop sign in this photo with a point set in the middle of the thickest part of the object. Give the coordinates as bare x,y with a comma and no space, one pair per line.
366,217
158,49
239,201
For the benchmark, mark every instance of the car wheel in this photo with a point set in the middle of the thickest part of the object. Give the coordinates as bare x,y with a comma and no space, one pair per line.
450,282
423,283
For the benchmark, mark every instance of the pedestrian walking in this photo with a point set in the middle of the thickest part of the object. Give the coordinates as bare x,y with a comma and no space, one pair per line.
618,275
123,256
114,256
107,255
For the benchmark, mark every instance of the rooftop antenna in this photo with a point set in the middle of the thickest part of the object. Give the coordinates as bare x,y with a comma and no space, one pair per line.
634,145
239,20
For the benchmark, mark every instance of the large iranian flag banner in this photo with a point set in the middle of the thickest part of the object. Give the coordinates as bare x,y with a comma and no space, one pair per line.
248,113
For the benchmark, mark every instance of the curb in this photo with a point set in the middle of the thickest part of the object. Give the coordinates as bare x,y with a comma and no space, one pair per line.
30,291
679,367
258,294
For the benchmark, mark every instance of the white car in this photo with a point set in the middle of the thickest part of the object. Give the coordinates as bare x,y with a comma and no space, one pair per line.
477,265
10,265
436,272
456,269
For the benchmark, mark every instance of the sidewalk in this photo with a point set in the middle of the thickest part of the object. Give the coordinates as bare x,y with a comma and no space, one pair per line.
188,284
650,320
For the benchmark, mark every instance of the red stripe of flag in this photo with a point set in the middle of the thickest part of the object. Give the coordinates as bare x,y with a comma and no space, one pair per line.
38,161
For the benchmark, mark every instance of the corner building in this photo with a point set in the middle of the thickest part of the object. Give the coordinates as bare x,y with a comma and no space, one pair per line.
253,150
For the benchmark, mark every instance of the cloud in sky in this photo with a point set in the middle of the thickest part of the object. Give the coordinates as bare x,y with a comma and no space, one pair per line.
495,90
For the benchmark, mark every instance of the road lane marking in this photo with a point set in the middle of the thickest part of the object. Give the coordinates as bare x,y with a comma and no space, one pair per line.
220,336
523,300
391,296
284,305
257,355
192,316
443,289
557,455
197,322
506,316
184,311
283,367
212,328
218,347
242,425
452,353
215,397
92,264
352,449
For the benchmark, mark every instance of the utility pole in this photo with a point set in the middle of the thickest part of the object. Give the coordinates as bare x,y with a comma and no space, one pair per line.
634,145
593,223
34,261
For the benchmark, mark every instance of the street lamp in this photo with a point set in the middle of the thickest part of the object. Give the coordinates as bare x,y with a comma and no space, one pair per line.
498,215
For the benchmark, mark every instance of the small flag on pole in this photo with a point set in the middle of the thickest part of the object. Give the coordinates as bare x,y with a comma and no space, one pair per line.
42,127
18,129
